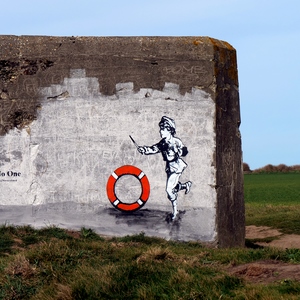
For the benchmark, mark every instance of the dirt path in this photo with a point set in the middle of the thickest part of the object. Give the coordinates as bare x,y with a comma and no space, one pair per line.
282,241
269,271
266,271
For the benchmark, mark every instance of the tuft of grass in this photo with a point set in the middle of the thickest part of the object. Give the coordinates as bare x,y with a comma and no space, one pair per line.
90,234
20,267
156,254
53,232
6,243
141,238
291,255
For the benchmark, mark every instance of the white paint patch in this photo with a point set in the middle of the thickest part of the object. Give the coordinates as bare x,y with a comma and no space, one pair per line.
81,136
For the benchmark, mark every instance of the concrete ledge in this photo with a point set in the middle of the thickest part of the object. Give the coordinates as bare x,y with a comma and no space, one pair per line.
108,221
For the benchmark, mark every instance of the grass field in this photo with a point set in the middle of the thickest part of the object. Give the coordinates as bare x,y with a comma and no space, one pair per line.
273,200
53,263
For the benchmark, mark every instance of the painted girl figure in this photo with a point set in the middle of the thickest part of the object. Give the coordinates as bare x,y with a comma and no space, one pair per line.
172,149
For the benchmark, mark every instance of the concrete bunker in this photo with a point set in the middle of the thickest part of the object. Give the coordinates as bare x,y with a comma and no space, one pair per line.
68,106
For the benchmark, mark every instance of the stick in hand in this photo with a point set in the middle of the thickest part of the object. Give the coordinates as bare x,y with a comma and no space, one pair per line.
139,149
135,144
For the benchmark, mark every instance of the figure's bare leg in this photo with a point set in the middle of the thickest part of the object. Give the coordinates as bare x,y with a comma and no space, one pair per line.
175,211
172,182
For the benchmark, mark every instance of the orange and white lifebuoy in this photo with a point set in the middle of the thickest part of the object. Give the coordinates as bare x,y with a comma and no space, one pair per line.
111,183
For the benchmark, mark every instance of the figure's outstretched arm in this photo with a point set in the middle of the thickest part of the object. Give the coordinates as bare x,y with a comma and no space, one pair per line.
146,150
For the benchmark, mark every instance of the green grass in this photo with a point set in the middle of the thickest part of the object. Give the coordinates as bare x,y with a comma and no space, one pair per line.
273,200
53,263
57,265
274,189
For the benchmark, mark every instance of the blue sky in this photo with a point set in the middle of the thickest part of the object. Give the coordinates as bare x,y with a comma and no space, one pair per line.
265,33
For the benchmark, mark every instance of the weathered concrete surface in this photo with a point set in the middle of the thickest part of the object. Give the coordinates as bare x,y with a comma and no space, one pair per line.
67,108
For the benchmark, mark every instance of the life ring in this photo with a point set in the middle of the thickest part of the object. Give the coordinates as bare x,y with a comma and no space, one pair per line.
111,183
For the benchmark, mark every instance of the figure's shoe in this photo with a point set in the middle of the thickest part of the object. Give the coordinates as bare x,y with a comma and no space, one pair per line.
188,187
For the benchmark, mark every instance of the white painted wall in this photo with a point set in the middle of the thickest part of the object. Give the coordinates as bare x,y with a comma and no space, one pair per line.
69,152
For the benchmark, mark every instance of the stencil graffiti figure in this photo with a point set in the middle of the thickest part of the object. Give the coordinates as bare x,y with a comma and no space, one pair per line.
172,149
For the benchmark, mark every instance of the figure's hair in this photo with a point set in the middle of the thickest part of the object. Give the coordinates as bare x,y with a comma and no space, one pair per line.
168,123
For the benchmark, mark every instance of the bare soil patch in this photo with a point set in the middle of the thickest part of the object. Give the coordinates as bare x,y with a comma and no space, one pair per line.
261,232
266,271
269,271
282,241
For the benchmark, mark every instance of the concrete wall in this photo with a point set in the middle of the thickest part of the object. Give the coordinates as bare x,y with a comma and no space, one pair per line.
67,109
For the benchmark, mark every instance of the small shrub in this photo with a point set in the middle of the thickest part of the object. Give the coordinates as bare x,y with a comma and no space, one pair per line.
281,168
246,168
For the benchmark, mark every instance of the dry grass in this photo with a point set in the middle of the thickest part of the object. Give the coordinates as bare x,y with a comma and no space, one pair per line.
52,264
157,254
21,267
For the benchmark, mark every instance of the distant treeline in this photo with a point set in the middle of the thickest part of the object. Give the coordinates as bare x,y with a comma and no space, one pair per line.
282,168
